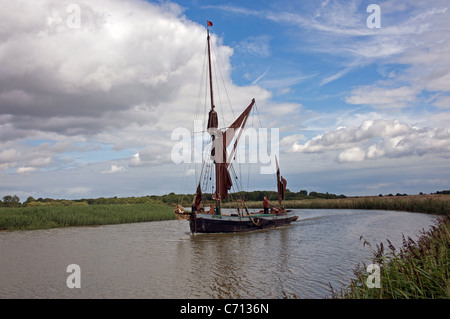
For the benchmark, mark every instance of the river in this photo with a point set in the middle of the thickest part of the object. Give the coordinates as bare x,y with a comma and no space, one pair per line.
163,260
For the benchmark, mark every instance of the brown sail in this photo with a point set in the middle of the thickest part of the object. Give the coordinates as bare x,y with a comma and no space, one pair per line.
281,185
198,197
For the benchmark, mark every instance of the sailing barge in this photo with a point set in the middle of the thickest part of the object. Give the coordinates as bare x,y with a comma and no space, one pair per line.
216,220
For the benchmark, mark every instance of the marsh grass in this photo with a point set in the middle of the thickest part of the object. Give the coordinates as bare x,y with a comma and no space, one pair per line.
418,270
44,217
428,204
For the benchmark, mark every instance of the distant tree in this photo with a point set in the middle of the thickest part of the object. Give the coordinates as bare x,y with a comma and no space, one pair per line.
303,192
29,200
261,195
11,201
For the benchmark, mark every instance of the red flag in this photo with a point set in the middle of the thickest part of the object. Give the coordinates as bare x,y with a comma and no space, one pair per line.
209,23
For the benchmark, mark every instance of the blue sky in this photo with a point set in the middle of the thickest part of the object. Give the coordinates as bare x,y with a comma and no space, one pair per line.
87,109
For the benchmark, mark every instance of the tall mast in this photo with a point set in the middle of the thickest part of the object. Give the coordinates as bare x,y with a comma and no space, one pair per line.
221,140
213,124
210,74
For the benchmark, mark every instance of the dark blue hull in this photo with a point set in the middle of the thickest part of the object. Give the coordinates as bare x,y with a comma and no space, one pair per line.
205,223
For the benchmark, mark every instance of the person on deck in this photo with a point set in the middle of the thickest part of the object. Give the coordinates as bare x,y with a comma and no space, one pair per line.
266,205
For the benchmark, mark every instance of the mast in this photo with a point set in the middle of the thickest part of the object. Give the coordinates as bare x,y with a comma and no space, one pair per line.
221,140
210,75
212,128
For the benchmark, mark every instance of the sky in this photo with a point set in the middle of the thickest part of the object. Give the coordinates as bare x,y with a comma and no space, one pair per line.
92,91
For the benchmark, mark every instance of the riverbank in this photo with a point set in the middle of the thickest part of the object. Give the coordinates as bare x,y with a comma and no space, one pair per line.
61,213
429,204
418,270
45,217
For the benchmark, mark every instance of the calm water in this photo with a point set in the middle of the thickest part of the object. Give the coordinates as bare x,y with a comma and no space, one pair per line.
163,260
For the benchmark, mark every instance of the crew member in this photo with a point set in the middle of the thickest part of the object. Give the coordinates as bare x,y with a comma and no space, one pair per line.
266,205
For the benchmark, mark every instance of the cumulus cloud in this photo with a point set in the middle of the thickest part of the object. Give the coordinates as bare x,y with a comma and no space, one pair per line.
151,155
73,81
376,139
27,156
354,154
125,76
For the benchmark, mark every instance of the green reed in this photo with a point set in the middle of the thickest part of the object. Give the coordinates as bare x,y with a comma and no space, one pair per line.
418,270
429,204
44,217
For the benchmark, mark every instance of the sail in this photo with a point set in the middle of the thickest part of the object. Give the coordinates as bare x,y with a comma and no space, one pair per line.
219,152
281,184
281,189
223,182
224,139
198,197
239,123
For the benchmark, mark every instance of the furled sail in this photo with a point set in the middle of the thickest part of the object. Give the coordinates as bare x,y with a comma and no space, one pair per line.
281,185
197,197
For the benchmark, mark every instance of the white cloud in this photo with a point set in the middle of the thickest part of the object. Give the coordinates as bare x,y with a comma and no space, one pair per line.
354,154
78,190
127,77
123,62
22,170
257,46
377,139
383,98
115,169
442,102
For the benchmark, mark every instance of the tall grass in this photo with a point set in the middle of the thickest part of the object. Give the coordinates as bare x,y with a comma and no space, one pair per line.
44,217
418,270
429,204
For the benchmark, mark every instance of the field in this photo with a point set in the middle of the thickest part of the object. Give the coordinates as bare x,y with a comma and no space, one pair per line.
44,217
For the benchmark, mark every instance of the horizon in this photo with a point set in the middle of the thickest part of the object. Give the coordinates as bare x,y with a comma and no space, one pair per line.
443,192
90,93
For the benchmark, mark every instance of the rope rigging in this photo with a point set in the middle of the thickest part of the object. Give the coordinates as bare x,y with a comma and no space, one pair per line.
205,174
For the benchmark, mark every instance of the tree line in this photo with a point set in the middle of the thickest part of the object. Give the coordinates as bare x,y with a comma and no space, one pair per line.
14,201
172,198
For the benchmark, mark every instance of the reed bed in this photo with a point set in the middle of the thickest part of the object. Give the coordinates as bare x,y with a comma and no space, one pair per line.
44,217
418,270
428,204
